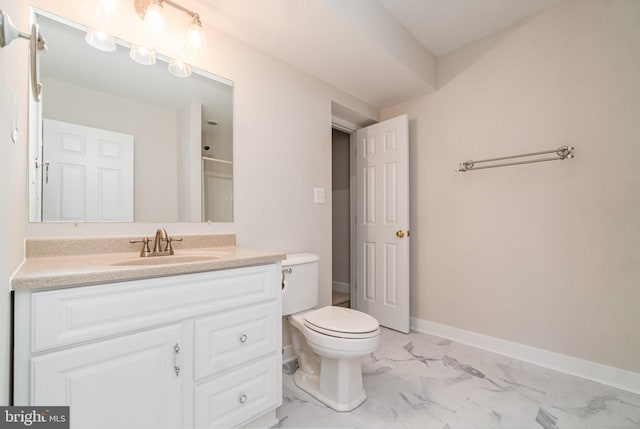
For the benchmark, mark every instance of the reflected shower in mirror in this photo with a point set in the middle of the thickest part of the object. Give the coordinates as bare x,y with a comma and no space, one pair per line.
125,142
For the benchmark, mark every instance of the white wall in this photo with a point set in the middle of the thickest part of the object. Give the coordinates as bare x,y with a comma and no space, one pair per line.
189,163
454,63
543,254
13,170
282,147
155,148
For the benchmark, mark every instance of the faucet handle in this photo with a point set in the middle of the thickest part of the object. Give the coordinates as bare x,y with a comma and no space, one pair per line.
145,247
169,247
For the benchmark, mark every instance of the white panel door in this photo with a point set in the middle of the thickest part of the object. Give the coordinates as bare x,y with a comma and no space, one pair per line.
217,190
382,215
126,383
90,174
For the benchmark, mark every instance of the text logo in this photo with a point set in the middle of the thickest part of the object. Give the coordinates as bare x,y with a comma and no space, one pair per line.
34,417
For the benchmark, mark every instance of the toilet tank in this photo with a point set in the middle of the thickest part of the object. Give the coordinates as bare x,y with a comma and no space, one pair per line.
300,282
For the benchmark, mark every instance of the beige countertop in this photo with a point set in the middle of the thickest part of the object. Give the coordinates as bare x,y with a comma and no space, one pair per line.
74,266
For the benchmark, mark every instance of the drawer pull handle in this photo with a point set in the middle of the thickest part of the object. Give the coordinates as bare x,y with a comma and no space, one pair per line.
243,338
243,399
176,359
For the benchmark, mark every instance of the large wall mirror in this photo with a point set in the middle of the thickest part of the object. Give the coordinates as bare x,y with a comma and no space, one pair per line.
117,141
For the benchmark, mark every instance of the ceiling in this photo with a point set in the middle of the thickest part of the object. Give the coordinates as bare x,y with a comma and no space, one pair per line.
443,26
381,51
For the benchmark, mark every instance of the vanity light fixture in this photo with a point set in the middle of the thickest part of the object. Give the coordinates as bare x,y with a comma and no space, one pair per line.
194,44
97,38
100,40
154,20
152,11
142,55
153,15
9,33
179,68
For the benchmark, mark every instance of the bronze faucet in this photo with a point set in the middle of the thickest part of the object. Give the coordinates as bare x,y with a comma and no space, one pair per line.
161,235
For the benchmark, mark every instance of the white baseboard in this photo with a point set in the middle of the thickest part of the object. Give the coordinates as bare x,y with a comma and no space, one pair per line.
594,371
287,354
341,287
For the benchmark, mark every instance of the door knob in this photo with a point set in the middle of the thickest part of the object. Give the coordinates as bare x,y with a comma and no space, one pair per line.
400,233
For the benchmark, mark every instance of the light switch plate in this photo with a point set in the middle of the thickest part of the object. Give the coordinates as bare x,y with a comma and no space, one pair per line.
318,195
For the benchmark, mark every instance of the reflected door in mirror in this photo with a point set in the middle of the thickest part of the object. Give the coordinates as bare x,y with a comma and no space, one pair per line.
217,197
90,174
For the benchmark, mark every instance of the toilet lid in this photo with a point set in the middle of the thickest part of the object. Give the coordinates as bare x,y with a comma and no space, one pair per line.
341,322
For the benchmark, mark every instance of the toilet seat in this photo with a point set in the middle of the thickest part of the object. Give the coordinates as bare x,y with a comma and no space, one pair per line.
341,322
334,346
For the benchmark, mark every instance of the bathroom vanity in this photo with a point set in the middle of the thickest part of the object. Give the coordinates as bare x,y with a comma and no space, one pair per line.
193,343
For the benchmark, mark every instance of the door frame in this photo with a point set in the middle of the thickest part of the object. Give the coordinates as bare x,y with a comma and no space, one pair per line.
349,128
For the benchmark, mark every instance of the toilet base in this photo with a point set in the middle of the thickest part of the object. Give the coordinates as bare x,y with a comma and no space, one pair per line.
330,367
311,385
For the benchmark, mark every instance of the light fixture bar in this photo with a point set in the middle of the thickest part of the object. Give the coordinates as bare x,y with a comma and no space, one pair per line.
141,7
180,7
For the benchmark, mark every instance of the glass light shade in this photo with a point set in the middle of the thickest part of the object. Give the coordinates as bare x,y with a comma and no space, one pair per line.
107,6
194,43
154,20
179,68
142,55
100,40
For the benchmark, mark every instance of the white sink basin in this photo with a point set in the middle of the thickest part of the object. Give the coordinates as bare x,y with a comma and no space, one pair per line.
164,260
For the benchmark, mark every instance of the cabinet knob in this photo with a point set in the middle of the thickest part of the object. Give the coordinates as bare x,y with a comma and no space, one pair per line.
243,338
243,399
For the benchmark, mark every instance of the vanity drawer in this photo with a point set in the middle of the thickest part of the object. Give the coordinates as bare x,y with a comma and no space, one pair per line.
68,316
232,399
229,339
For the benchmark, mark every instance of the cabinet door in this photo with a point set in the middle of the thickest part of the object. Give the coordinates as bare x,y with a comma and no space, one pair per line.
126,382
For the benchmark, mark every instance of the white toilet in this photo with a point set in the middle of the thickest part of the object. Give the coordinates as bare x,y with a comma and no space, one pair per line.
329,342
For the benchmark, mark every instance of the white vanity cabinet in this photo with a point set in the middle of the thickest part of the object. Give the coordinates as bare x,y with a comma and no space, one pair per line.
190,351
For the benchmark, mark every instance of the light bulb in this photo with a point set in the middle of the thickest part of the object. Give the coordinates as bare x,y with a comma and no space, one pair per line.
154,19
179,68
100,40
195,38
142,55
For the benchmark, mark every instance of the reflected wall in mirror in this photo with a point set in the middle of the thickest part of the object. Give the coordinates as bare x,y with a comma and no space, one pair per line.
125,142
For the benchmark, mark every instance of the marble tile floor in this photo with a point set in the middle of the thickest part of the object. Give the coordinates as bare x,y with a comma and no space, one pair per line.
422,381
